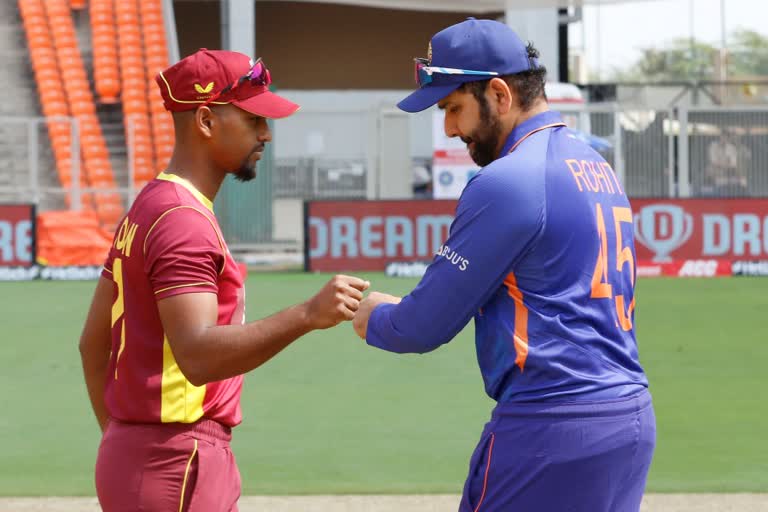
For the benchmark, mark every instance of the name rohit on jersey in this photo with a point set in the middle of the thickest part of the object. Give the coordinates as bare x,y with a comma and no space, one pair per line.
454,257
594,176
125,235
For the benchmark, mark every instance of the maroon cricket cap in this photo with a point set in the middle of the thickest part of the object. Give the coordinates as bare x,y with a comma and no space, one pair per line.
194,79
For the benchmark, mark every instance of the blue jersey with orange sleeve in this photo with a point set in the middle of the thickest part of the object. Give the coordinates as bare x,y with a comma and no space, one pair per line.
541,254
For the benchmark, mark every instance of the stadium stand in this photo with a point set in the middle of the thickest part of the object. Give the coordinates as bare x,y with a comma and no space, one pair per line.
53,45
50,88
156,53
134,91
106,72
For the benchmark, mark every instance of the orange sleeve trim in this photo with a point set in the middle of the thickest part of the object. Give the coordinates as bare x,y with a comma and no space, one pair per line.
521,321
186,477
105,268
201,283
487,470
218,235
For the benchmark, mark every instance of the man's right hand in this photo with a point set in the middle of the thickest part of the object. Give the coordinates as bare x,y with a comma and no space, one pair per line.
336,302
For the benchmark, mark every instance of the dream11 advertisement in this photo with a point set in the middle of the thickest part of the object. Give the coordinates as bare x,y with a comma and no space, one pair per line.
701,237
17,238
685,237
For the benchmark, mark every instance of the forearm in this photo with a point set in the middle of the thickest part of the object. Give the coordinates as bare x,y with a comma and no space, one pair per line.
224,351
207,352
383,334
95,373
95,343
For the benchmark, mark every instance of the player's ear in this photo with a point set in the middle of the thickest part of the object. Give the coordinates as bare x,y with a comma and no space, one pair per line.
204,121
500,95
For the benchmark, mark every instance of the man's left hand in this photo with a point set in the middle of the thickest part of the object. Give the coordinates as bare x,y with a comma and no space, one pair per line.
363,314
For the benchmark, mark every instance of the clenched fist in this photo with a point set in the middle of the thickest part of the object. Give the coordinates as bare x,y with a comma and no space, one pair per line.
337,301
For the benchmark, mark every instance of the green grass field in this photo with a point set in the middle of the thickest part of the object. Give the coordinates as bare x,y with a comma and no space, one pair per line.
331,415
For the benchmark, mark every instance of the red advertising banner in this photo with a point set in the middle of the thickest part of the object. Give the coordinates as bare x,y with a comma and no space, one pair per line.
366,235
17,235
682,237
703,229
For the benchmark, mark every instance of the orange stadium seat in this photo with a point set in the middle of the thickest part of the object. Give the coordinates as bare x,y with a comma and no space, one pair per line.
134,94
107,87
105,54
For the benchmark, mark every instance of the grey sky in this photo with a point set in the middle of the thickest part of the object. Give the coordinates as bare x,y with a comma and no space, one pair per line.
616,33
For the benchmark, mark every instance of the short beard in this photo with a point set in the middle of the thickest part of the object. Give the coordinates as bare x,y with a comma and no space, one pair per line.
486,136
247,172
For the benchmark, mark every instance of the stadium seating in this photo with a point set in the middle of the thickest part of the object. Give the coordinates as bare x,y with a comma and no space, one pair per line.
51,90
129,49
66,92
136,114
106,72
156,52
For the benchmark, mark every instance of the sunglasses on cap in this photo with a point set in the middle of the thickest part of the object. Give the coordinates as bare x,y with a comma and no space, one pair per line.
257,76
423,72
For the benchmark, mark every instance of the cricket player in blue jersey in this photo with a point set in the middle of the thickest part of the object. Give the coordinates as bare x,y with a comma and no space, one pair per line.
541,254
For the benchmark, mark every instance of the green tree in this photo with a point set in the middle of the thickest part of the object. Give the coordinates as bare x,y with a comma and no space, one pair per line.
682,59
747,54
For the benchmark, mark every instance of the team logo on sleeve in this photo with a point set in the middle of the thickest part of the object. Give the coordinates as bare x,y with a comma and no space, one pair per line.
455,258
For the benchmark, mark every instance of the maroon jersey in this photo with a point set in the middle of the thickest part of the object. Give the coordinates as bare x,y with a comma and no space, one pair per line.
169,243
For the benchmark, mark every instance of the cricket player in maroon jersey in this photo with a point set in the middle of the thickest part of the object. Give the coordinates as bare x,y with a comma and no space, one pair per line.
165,344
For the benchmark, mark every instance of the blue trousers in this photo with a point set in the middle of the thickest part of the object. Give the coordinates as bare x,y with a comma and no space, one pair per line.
566,457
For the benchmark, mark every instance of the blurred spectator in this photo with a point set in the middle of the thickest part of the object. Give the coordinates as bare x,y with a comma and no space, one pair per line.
726,172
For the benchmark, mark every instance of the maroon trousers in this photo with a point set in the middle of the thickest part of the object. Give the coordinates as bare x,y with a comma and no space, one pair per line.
170,467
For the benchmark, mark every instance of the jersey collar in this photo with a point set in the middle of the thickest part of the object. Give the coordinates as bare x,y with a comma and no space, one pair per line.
187,185
548,119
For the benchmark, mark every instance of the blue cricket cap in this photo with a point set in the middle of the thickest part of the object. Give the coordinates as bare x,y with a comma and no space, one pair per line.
478,45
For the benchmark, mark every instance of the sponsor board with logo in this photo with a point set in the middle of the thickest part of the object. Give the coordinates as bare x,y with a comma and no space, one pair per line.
73,273
367,235
17,235
701,237
750,268
687,238
406,268
706,229
685,268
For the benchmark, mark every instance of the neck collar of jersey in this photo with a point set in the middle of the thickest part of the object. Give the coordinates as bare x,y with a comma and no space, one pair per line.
187,185
548,119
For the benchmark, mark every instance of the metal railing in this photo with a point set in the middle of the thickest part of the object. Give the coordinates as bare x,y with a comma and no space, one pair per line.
681,152
319,178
